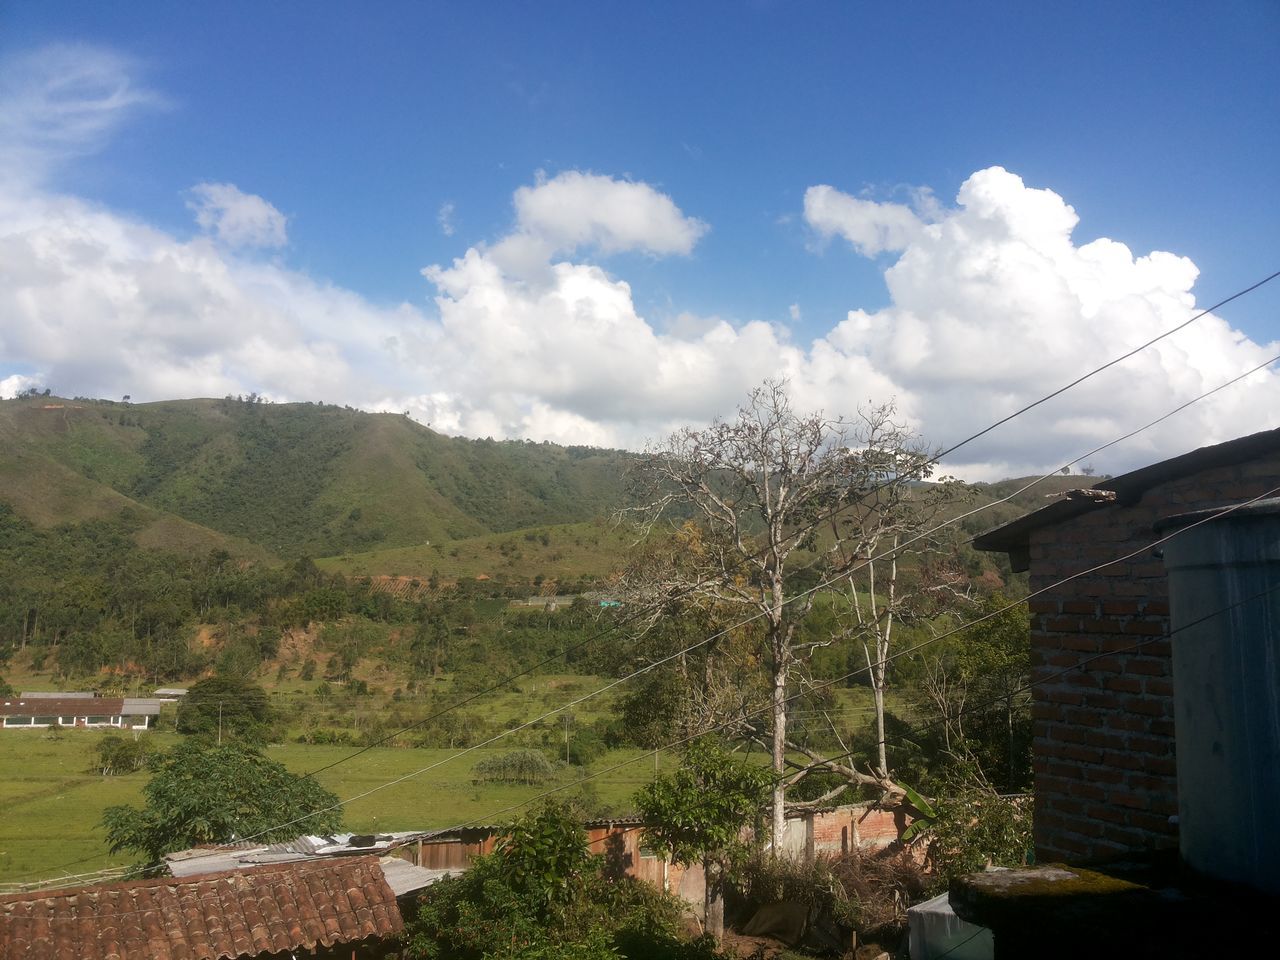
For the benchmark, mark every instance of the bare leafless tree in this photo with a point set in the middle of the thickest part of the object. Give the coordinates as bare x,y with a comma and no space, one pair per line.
759,497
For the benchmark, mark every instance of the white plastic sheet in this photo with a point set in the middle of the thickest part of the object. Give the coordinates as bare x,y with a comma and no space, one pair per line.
934,931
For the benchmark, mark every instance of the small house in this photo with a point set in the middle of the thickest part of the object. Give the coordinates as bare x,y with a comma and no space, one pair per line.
42,711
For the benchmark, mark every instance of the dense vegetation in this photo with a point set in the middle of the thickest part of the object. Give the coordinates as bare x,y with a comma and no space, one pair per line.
544,894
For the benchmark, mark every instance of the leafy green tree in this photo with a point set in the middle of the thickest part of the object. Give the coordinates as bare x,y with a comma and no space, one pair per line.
214,794
542,895
117,755
970,826
698,812
233,706
976,689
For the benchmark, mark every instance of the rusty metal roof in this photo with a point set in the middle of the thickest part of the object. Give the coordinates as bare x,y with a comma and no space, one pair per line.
236,913
61,706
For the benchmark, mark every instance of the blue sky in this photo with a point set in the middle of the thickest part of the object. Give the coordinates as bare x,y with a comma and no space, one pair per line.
391,137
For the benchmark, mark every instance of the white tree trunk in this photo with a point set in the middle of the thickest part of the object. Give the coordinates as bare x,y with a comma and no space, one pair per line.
779,825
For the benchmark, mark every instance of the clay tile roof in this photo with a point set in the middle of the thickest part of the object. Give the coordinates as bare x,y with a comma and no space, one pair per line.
236,913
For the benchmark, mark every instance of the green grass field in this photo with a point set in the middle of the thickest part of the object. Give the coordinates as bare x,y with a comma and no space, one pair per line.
53,800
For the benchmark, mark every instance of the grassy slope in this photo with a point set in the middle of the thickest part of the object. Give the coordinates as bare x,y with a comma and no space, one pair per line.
59,465
292,478
571,551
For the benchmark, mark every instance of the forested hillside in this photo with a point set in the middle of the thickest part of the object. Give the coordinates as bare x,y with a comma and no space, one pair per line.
289,479
124,529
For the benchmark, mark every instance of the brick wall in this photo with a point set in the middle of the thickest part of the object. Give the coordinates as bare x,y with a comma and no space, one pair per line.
1105,772
845,829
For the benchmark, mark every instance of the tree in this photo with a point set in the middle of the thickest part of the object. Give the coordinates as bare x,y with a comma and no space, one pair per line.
697,813
976,688
225,706
891,529
201,794
541,894
117,755
760,489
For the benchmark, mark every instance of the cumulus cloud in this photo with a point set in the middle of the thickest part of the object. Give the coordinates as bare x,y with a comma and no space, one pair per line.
236,218
995,304
992,302
579,211
871,227
13,385
100,304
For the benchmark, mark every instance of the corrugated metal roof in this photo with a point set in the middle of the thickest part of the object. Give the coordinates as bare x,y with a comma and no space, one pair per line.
234,856
1014,536
406,878
238,913
142,706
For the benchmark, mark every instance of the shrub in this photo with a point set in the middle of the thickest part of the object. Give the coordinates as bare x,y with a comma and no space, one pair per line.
117,755
585,748
973,827
528,767
541,895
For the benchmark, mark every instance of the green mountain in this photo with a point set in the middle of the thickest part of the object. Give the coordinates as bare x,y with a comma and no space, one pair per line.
286,479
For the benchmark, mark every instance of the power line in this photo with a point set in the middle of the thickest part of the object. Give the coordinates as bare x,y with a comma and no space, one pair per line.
828,515
1147,547
841,679
822,585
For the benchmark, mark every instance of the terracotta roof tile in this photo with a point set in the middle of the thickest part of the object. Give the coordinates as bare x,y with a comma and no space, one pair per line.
236,913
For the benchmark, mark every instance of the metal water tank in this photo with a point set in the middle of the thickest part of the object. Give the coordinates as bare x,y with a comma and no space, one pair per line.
1224,600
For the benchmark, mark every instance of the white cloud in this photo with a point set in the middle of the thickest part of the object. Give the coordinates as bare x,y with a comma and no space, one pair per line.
59,102
99,304
992,303
871,227
445,219
13,385
995,305
236,218
577,210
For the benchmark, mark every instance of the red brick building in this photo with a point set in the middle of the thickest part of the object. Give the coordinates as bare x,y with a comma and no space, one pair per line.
1105,771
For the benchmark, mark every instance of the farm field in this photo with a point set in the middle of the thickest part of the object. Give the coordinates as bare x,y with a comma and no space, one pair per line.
53,800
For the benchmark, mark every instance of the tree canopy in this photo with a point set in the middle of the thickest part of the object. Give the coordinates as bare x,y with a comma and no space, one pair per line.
543,894
214,794
234,706
698,812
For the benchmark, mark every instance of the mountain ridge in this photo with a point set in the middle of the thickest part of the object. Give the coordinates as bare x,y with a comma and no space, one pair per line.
287,479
